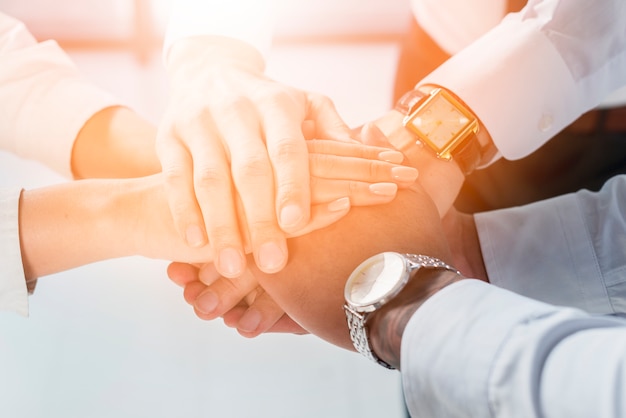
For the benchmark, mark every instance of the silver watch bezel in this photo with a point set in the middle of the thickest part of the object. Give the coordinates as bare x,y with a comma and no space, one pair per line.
397,287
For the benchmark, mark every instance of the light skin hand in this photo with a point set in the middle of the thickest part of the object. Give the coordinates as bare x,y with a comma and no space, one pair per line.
230,134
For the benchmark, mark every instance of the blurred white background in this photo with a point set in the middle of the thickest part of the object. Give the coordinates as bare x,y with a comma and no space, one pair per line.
116,339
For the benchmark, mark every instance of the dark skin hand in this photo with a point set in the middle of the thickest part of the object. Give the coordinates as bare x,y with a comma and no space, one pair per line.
310,288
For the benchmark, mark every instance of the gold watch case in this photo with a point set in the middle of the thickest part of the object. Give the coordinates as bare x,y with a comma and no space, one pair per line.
441,121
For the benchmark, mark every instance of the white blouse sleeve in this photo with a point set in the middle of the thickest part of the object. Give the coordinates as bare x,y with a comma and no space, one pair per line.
13,292
44,102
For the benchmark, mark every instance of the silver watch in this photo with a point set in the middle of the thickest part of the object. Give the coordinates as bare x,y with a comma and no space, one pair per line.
374,283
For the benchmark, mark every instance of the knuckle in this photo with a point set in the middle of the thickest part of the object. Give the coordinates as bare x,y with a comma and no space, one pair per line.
375,170
252,166
324,163
210,177
289,150
354,187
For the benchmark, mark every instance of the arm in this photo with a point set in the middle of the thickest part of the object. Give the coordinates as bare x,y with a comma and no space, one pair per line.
90,135
519,357
577,234
551,71
32,124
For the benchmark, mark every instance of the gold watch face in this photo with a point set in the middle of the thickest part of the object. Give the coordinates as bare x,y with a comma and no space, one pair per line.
441,122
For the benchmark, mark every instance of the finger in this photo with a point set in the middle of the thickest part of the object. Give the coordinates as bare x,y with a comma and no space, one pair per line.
215,194
182,273
372,135
288,153
328,123
192,291
177,173
208,274
260,316
351,168
324,215
358,150
254,181
360,193
223,294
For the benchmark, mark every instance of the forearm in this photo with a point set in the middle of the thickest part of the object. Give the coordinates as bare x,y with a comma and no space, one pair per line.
69,225
115,142
76,223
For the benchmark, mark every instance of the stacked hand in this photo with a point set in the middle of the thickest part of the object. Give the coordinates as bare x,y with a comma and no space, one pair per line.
236,164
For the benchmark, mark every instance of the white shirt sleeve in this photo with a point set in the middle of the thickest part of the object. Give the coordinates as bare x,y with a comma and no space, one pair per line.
43,100
475,350
539,69
568,250
250,21
13,292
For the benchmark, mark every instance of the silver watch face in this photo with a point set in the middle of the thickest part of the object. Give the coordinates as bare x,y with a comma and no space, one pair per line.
375,280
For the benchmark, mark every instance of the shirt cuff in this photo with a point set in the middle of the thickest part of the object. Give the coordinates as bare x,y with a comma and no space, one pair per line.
250,21
13,291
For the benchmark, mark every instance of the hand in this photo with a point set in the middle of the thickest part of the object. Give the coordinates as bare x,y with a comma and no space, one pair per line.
231,133
252,315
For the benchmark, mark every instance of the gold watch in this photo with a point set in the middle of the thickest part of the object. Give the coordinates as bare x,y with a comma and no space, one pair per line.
441,121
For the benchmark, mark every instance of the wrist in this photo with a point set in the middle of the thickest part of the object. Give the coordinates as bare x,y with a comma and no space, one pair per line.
442,179
69,225
387,325
199,54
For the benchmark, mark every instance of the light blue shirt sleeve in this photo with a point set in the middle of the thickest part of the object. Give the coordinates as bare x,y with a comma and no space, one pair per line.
476,350
569,250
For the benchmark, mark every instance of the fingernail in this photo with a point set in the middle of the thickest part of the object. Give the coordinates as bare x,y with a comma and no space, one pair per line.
383,189
250,321
194,236
404,173
291,215
339,205
395,157
230,262
271,257
207,302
